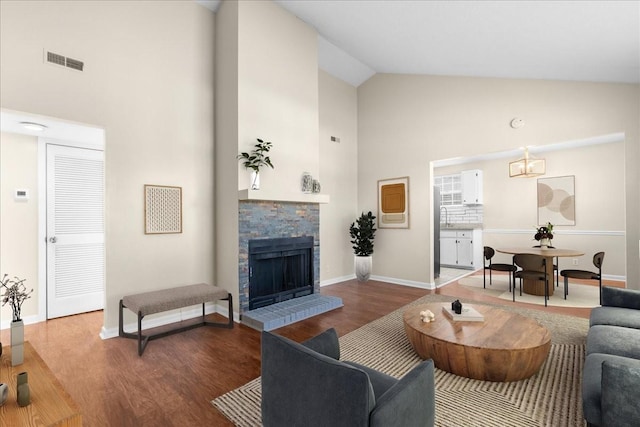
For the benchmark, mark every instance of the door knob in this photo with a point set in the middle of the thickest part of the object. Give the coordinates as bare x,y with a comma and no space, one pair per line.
53,239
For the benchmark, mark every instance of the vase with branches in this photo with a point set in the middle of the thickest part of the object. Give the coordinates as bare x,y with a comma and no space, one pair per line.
255,159
15,294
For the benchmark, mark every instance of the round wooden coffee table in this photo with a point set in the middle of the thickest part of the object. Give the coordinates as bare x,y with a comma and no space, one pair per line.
504,347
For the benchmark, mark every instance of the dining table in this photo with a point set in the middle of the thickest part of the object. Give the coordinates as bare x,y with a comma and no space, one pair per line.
536,287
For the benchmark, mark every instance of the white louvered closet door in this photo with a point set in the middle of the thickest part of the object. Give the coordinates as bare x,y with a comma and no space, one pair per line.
75,230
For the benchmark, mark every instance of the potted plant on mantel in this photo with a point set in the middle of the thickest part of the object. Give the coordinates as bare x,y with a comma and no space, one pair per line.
363,232
544,234
255,160
15,294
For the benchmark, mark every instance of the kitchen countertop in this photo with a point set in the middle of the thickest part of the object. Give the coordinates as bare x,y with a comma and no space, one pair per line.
469,226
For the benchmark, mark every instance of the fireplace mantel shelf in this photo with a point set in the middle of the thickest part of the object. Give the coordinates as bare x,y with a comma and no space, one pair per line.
266,195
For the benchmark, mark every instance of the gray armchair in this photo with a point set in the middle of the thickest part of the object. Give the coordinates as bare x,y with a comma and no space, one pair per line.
307,385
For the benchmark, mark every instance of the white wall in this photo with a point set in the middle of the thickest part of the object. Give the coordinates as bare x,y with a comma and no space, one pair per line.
339,172
148,82
510,204
19,219
404,122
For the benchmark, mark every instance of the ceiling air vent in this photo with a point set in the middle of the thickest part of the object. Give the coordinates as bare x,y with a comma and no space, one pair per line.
57,59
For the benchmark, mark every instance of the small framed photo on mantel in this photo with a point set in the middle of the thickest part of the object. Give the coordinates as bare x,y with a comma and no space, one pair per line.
393,203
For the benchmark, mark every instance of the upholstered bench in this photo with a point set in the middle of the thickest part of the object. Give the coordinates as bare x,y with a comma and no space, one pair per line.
169,299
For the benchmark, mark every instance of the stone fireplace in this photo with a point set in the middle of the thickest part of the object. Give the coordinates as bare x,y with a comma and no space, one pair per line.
263,220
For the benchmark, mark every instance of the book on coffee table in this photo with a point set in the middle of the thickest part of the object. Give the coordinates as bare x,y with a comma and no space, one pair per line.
469,314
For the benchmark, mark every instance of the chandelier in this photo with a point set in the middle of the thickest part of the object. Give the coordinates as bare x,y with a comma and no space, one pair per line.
527,166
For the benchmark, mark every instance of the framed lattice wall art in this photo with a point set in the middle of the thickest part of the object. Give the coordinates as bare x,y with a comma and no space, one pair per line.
162,209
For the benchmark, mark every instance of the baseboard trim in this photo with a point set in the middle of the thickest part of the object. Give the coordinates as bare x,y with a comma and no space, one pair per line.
403,282
154,321
28,320
337,280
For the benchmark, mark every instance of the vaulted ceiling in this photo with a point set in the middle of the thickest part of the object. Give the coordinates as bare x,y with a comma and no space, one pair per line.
560,40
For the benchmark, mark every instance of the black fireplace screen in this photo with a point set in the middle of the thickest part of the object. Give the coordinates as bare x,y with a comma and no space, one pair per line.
279,269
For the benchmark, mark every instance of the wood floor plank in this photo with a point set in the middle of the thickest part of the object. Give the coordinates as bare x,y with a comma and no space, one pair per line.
175,380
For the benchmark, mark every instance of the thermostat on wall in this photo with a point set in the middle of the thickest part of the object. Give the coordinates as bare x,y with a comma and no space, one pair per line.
21,195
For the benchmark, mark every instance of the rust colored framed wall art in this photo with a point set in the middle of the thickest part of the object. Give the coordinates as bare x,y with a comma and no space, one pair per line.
393,203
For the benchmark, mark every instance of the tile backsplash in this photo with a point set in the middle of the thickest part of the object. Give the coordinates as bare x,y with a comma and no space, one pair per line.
462,215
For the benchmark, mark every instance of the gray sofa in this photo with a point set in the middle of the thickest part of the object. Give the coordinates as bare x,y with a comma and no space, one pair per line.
611,377
307,385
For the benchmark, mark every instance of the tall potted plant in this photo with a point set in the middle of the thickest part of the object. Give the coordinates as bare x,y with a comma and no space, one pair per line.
362,233
255,160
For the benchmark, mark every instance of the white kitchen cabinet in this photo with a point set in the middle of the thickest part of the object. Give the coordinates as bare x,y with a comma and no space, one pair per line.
471,187
461,248
448,248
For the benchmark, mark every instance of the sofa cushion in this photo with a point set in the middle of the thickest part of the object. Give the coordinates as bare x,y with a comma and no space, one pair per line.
620,297
615,316
592,385
326,343
615,340
620,389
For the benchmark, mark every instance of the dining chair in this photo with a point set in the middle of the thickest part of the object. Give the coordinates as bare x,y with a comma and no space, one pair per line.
556,265
532,267
489,252
585,274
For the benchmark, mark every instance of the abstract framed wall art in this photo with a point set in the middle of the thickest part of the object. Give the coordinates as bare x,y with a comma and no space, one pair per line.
556,200
393,203
162,209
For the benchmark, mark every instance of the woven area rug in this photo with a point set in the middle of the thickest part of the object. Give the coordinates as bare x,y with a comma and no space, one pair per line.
552,397
584,296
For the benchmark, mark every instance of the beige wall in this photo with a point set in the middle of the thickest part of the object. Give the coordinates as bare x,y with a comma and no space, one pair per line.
277,93
339,172
148,82
404,122
268,77
19,220
226,149
510,204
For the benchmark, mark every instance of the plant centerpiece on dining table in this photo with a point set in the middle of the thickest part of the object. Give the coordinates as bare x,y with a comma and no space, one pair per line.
255,159
544,234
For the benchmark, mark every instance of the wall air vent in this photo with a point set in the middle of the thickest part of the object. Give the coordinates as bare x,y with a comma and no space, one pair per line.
54,58
75,64
57,59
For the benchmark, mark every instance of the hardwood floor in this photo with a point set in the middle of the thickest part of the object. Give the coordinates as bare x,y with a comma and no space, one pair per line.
173,383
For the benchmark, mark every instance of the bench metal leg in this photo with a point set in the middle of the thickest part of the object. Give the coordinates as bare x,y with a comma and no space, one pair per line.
229,323
143,340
